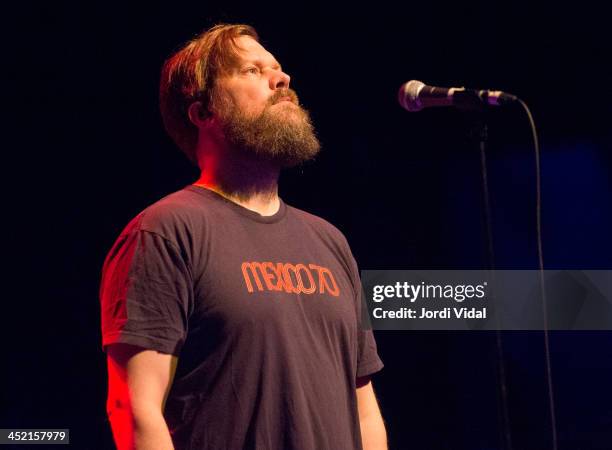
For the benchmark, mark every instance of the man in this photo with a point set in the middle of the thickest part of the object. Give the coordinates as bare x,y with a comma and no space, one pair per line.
230,319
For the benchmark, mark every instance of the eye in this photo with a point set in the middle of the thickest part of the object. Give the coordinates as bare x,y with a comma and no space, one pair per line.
251,69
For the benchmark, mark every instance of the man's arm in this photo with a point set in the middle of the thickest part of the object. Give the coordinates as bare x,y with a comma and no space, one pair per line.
373,433
138,383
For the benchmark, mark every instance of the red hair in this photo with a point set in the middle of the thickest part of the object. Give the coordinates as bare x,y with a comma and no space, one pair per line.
189,76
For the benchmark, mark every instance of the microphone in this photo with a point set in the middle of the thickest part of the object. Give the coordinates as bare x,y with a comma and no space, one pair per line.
415,95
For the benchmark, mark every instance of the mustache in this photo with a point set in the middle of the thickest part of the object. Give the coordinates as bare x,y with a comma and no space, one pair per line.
281,93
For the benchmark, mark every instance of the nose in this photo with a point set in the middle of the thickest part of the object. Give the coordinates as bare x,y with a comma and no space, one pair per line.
279,80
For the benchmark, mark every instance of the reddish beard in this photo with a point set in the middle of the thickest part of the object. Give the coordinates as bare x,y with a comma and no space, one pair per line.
285,138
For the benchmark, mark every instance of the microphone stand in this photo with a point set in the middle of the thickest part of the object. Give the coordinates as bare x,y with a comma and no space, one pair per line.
476,112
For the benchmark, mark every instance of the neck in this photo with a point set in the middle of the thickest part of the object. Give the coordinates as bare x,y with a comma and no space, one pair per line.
242,178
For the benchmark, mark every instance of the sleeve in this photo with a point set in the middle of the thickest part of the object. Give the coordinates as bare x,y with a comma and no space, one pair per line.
368,361
146,293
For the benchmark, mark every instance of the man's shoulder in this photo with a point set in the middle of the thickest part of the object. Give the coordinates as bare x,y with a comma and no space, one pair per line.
319,224
329,235
180,209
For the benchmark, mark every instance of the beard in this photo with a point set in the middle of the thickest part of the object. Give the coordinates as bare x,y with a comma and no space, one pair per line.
282,134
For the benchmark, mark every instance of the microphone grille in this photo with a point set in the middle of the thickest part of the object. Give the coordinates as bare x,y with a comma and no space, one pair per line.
408,95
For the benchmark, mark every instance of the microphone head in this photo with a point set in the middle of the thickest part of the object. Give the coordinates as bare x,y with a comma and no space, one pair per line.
408,95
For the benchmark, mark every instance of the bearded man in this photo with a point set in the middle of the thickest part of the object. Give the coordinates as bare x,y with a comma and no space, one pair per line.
230,319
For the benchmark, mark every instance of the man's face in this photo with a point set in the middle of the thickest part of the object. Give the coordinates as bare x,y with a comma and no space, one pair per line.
258,112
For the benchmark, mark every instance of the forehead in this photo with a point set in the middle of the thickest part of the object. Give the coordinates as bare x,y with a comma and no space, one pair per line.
249,50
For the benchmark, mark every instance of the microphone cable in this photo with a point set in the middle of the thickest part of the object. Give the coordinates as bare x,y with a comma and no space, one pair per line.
551,397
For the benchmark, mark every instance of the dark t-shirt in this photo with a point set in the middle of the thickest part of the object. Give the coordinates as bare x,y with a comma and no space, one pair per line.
263,312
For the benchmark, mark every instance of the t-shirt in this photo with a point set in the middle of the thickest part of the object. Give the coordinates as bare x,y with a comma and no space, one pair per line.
263,313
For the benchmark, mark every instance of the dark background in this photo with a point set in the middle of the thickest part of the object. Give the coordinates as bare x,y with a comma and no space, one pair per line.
84,151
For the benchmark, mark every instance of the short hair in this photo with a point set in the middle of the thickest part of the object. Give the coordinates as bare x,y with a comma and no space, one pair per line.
189,75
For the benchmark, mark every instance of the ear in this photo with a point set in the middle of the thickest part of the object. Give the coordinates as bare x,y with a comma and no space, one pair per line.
197,114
